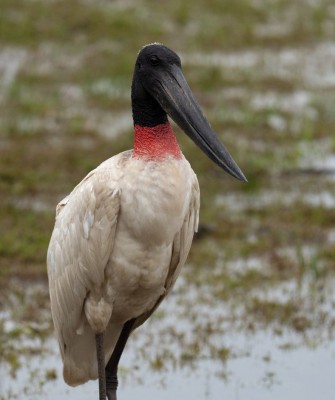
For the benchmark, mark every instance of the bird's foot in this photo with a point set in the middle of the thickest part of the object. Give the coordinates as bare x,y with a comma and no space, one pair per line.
111,386
111,394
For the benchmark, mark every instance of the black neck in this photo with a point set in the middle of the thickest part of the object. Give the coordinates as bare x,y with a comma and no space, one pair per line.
146,110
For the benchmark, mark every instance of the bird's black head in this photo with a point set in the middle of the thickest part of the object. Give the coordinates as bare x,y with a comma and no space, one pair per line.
160,89
151,63
155,56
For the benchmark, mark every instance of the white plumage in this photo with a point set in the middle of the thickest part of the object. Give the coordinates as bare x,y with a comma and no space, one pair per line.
117,247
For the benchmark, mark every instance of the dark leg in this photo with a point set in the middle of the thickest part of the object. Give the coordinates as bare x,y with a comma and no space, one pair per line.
99,342
111,367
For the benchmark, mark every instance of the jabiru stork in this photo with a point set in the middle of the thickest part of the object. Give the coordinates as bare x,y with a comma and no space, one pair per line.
122,235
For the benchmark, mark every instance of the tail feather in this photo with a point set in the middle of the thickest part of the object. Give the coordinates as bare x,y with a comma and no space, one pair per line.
80,360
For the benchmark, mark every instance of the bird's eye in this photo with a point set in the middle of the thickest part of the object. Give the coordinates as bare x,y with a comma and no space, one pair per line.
138,65
154,60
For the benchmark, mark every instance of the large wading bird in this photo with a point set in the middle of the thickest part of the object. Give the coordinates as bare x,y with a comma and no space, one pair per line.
124,232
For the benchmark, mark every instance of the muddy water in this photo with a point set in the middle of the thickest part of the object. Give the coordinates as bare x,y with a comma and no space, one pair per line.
265,373
262,363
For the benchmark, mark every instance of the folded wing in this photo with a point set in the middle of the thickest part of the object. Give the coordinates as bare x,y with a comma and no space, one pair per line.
79,250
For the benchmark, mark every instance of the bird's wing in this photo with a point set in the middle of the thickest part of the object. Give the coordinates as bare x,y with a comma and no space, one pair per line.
79,249
180,249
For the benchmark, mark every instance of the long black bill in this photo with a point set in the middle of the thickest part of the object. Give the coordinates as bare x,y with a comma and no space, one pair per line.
177,100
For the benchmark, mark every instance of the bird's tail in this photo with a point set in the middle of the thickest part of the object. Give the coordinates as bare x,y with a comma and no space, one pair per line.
80,357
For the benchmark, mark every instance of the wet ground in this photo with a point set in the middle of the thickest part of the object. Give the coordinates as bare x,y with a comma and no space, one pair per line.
253,313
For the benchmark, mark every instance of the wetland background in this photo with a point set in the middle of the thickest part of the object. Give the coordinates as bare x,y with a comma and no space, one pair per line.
252,314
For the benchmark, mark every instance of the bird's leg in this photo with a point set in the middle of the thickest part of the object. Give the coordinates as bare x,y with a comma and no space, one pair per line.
112,365
99,342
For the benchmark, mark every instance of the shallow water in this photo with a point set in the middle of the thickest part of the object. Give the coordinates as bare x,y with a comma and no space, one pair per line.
263,370
263,361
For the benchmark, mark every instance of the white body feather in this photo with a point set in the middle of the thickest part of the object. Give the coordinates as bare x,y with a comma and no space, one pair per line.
119,241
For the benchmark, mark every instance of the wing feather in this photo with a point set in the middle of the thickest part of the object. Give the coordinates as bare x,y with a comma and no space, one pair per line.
79,249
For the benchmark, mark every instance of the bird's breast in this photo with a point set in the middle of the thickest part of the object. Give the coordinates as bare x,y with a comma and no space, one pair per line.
155,199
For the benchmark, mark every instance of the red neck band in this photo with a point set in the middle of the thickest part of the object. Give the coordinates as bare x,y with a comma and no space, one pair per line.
155,143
